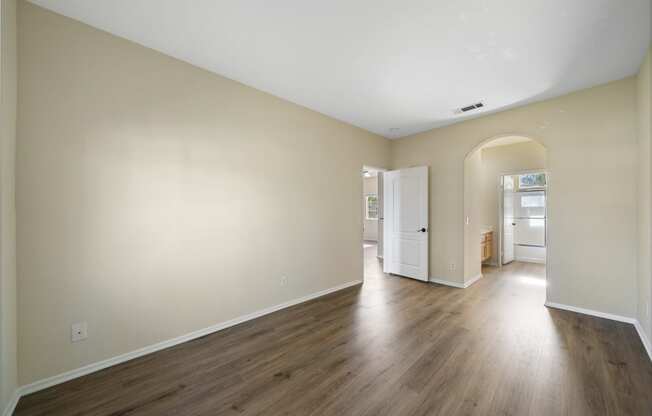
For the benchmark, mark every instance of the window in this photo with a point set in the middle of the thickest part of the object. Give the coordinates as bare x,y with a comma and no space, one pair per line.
533,201
371,206
532,180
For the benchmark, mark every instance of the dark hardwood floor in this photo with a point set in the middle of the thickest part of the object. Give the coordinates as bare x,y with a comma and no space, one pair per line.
393,346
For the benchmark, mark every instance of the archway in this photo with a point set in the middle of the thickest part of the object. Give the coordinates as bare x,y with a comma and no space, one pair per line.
494,190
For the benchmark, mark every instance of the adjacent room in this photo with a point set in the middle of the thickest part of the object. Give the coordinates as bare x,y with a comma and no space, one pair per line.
325,208
372,232
505,199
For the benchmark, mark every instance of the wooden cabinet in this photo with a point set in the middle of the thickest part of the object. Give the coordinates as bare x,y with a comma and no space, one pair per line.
486,245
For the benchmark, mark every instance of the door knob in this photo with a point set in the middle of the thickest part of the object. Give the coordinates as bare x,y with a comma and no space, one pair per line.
422,230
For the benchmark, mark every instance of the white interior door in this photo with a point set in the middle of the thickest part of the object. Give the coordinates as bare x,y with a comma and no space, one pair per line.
508,220
530,232
530,204
406,222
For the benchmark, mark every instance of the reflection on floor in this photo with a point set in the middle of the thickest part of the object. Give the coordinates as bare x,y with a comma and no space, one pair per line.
373,266
393,346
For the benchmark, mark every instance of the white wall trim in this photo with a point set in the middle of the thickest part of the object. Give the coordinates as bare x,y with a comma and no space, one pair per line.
11,406
530,260
644,339
456,284
447,283
472,280
91,368
613,317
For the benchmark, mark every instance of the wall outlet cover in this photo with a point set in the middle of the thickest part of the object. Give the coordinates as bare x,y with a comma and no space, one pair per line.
78,331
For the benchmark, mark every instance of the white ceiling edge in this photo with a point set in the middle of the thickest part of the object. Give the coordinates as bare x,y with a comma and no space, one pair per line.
521,104
506,141
406,88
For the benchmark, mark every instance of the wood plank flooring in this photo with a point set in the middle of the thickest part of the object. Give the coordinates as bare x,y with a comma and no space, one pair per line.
393,346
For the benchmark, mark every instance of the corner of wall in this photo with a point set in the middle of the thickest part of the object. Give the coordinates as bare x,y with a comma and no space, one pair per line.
644,264
8,333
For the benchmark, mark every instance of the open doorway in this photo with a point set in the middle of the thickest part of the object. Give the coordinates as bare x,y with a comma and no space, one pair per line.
522,234
372,221
505,217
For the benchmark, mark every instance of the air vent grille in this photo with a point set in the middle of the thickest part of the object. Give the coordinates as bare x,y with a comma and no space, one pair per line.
468,108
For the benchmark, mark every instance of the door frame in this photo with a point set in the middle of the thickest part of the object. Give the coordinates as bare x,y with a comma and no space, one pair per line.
501,214
363,208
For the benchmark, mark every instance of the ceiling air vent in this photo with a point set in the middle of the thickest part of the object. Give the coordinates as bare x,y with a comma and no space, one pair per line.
469,108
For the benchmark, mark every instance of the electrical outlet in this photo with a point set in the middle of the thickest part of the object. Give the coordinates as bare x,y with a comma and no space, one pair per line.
79,331
451,267
284,280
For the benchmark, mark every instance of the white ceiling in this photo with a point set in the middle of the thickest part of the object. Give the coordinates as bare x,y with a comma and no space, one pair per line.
384,65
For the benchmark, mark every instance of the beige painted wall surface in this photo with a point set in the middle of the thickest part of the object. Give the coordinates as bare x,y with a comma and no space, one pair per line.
644,207
591,140
155,198
497,161
8,339
473,205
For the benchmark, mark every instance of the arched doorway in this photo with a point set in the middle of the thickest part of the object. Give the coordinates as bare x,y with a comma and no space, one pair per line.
506,194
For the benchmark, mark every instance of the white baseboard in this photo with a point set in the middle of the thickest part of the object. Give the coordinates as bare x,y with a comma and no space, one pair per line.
613,317
11,406
530,260
472,280
447,283
456,284
644,339
91,368
619,318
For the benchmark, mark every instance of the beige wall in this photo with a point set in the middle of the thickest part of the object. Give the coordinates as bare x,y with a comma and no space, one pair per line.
155,198
644,207
590,136
473,205
8,356
497,161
